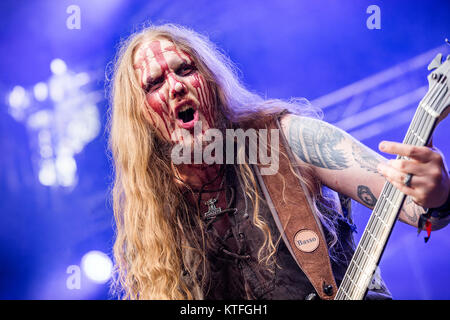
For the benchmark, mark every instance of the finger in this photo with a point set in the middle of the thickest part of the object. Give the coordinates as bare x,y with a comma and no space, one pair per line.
408,166
390,173
404,189
422,154
417,195
394,175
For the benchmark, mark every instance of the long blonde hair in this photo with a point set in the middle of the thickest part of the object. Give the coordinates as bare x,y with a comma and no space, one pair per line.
156,239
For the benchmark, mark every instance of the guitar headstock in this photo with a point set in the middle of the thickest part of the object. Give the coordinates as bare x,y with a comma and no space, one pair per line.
439,86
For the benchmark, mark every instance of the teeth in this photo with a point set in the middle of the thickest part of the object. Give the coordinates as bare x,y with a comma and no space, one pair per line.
184,108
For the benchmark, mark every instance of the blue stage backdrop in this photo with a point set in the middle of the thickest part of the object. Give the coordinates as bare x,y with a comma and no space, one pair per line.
56,220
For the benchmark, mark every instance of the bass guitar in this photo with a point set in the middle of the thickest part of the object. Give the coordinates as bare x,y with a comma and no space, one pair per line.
432,109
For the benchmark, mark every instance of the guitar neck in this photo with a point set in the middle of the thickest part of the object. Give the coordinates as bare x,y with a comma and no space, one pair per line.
378,230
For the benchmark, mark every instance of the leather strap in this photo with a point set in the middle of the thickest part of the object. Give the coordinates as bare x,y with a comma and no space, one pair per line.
299,226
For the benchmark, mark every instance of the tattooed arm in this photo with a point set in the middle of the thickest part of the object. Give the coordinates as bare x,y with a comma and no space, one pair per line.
342,163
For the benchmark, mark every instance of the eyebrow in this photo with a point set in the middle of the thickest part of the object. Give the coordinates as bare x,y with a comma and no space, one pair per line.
184,63
150,79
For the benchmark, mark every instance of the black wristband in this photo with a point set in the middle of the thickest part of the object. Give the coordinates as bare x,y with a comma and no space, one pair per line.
440,212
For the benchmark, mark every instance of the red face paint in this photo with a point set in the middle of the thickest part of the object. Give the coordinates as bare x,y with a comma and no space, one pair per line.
175,88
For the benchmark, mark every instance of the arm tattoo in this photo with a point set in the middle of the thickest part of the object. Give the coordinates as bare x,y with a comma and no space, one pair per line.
366,159
366,196
415,211
316,143
412,212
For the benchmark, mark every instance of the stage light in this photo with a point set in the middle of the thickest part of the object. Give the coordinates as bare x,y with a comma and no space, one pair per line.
40,90
45,137
58,66
97,266
40,119
66,168
18,101
62,112
47,173
82,78
18,97
46,151
58,86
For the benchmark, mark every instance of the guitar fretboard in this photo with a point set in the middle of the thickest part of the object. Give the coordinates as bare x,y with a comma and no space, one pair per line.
376,234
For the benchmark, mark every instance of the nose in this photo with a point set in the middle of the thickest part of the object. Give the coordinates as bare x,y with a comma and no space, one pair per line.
177,88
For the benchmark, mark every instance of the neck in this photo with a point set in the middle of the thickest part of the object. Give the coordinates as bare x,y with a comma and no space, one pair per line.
206,177
197,176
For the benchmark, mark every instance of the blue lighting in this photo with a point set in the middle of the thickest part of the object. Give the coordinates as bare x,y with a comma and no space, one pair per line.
56,174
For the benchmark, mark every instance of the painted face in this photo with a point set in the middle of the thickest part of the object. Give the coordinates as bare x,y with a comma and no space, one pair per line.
177,93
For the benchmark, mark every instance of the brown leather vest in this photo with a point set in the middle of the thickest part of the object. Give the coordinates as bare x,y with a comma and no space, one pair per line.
238,274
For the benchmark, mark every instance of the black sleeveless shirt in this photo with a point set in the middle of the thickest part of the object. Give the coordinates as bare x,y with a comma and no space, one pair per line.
237,274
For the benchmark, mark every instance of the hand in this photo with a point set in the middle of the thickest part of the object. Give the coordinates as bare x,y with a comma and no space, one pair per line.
430,183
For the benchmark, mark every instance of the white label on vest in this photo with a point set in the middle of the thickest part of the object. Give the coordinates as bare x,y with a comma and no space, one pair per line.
306,240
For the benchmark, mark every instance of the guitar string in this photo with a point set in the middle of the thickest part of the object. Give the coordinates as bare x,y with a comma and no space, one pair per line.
418,135
417,119
392,193
373,231
414,135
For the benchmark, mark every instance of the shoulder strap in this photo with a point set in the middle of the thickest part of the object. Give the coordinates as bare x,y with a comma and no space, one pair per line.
293,211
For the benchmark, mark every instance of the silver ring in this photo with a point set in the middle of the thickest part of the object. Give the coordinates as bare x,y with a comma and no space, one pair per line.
407,180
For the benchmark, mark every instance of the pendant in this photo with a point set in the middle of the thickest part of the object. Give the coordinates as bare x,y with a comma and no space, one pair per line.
212,210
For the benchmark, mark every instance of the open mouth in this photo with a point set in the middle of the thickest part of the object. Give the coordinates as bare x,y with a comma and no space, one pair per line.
187,116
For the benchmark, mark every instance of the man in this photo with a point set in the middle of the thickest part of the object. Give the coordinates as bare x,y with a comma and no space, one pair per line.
201,231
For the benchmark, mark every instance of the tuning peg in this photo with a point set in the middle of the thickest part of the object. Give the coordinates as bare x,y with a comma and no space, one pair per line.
436,62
